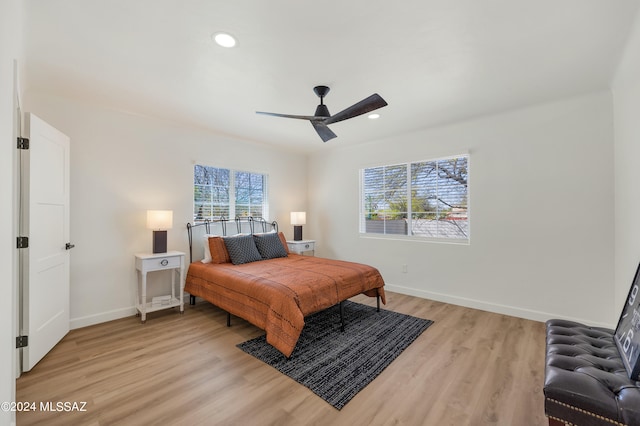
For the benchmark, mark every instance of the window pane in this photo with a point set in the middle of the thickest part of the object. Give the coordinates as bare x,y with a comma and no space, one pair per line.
385,200
256,181
221,194
200,176
439,198
249,194
256,211
242,195
242,210
452,198
202,212
256,198
242,180
202,193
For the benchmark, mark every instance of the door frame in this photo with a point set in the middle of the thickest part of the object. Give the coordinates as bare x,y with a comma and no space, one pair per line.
16,258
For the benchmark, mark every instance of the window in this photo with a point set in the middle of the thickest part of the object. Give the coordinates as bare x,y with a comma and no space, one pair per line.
426,199
228,193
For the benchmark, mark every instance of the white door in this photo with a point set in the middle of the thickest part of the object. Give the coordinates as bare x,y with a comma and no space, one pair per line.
45,196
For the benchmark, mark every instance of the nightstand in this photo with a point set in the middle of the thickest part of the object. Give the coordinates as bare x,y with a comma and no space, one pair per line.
302,246
146,262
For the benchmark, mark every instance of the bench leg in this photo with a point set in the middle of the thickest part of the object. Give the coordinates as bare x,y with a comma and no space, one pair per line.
554,422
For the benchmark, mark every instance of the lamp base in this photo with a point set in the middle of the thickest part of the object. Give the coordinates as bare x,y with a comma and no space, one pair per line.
159,241
297,233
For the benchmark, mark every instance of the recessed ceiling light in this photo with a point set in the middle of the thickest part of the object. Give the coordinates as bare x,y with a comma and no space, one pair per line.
224,39
373,116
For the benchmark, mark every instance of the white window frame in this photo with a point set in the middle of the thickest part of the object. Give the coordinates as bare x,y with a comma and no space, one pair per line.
232,193
410,235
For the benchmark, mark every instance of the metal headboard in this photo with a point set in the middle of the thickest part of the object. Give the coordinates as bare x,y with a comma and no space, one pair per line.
253,222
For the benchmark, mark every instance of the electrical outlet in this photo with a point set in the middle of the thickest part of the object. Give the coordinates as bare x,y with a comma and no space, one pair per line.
404,269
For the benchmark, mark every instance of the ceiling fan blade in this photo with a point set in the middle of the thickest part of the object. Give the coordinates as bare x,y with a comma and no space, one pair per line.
323,131
300,117
369,104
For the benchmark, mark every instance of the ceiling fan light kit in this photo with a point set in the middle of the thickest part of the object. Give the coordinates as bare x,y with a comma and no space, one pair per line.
322,117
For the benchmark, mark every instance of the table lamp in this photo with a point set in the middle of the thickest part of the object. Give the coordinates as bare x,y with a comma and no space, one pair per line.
159,221
297,220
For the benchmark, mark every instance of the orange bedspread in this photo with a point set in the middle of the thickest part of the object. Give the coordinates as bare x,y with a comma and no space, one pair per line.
277,294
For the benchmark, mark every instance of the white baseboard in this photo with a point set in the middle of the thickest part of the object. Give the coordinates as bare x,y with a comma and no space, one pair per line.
440,297
490,307
109,316
101,317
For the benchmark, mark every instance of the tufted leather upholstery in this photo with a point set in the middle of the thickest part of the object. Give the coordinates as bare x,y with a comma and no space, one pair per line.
585,380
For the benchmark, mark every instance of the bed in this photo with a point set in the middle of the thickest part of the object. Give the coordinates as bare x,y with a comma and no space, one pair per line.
278,290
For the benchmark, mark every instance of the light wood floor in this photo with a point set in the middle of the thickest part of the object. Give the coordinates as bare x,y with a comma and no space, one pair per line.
469,368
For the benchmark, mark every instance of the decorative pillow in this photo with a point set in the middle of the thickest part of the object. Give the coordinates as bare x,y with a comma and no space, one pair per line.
242,249
218,250
207,250
283,240
269,245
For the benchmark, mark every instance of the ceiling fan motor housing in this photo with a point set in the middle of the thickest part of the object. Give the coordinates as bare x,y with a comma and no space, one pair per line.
322,111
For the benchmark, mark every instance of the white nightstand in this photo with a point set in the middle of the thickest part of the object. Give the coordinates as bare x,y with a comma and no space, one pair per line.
146,262
302,246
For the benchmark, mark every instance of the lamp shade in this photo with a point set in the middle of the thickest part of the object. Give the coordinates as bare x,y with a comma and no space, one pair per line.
159,219
298,218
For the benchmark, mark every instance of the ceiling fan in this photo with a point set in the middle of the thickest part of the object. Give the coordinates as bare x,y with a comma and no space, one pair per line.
322,117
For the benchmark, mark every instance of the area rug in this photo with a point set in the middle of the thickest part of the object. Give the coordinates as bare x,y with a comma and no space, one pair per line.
337,365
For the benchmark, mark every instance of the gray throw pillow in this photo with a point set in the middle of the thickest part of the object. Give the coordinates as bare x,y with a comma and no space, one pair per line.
242,249
269,245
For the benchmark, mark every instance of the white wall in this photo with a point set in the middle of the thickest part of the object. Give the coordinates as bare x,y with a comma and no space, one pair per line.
541,203
10,54
123,165
626,107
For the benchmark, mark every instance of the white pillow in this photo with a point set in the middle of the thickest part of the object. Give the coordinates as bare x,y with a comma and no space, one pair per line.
207,251
273,231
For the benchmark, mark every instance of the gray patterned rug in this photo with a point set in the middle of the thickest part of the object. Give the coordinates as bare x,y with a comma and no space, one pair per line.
337,365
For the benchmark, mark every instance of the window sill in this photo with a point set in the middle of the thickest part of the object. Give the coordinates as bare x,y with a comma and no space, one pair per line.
398,237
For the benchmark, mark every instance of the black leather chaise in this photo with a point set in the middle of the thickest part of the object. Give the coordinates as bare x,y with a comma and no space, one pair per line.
586,382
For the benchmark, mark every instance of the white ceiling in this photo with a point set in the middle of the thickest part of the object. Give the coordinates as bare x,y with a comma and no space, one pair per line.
433,61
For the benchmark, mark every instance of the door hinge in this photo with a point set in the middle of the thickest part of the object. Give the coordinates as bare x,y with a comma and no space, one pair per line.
23,143
23,242
22,341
